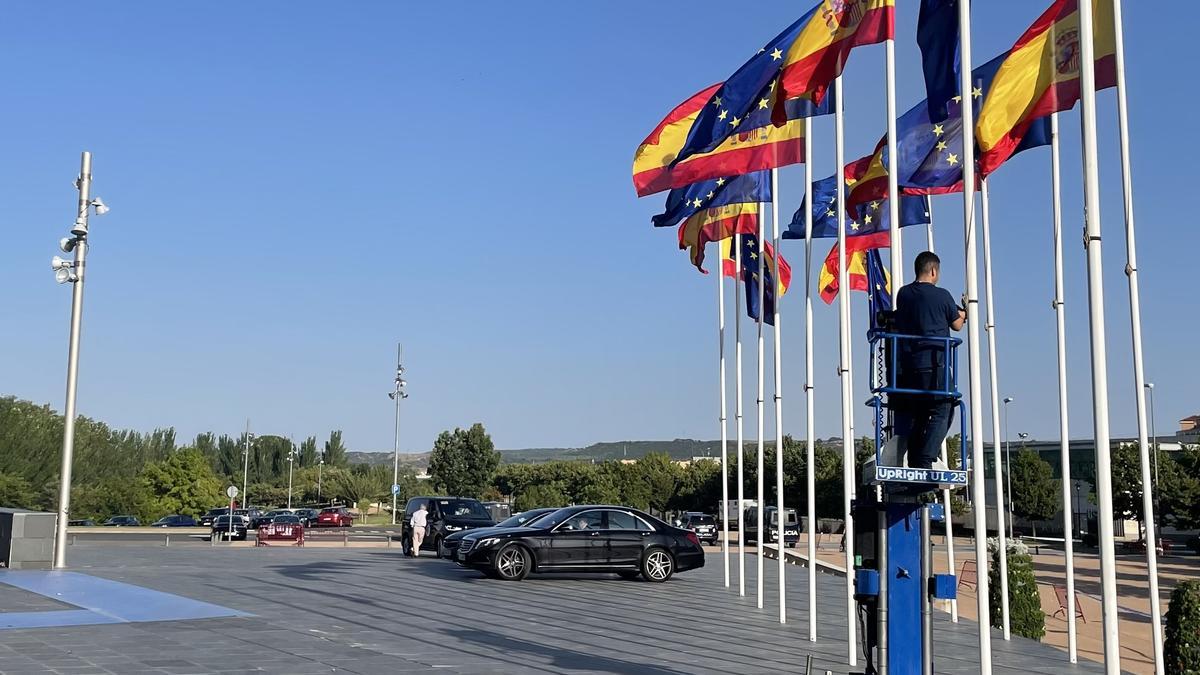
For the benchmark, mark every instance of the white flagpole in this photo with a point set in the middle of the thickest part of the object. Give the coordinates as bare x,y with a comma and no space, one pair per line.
843,373
973,364
994,383
897,243
1095,264
1063,431
1135,325
778,401
945,455
810,435
737,331
760,495
723,418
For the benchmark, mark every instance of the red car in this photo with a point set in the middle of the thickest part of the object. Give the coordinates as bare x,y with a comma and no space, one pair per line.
334,516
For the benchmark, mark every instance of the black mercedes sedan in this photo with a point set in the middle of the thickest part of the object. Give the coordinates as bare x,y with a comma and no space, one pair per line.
450,542
584,539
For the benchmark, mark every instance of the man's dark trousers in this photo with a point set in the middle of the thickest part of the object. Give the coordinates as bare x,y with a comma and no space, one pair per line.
930,416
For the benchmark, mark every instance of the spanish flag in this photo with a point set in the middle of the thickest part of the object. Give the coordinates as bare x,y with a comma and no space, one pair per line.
1041,76
716,224
820,51
758,145
856,264
866,180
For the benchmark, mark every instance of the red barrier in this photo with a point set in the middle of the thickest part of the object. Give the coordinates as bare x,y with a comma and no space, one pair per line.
288,532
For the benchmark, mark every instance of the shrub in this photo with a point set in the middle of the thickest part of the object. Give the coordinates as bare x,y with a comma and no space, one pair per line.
1024,604
1182,639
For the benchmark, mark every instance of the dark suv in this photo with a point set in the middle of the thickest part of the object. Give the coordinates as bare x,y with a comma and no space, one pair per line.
704,525
446,515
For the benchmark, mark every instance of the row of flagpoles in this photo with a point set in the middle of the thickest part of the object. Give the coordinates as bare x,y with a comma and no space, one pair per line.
773,97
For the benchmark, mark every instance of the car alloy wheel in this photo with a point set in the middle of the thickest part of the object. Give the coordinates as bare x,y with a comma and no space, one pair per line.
512,563
658,565
441,548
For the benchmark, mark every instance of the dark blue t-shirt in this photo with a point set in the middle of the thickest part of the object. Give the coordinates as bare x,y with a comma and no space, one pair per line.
924,309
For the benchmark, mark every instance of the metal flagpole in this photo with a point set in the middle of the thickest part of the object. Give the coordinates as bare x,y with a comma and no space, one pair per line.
945,454
1135,325
994,384
396,434
810,435
737,357
896,242
779,538
973,364
1095,264
843,373
1063,435
723,419
246,466
759,494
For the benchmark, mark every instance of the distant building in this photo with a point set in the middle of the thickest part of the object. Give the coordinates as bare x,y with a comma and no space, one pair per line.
1189,430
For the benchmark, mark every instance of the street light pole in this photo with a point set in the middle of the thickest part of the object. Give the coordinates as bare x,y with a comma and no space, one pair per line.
73,272
320,469
397,395
246,464
291,462
1008,468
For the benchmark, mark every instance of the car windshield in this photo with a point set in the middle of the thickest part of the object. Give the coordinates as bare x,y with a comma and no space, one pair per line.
289,518
463,508
524,519
702,520
224,520
216,512
336,509
555,517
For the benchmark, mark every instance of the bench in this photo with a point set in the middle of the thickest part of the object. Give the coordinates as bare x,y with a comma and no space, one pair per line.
1060,592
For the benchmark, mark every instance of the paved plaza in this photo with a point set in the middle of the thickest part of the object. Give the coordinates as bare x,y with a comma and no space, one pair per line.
370,610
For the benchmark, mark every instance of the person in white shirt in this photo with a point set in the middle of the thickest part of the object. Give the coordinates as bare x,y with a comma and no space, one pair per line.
418,529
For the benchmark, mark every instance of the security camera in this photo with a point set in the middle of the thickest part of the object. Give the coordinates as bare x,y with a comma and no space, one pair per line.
57,263
392,395
67,244
100,206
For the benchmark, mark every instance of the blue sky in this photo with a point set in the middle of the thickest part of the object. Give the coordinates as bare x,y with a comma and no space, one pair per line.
296,186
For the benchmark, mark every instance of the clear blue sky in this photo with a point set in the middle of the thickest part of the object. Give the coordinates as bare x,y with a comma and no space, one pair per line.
296,186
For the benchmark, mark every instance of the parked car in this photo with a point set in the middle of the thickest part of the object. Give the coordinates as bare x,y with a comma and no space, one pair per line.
704,525
229,527
791,526
584,539
335,516
174,521
308,516
268,517
83,522
446,515
122,521
207,519
250,514
523,519
287,519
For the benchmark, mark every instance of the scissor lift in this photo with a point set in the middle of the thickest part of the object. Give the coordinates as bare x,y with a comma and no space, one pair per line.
894,580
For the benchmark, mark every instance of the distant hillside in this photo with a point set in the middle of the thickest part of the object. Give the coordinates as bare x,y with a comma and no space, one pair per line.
680,448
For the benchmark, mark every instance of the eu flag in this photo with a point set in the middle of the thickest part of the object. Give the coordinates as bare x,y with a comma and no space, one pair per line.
937,35
753,271
879,286
873,216
931,153
682,203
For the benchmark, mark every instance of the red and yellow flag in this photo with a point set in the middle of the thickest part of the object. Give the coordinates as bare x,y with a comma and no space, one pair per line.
820,51
856,264
716,224
1041,76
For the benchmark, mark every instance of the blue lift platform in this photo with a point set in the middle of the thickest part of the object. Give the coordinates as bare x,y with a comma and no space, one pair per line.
893,576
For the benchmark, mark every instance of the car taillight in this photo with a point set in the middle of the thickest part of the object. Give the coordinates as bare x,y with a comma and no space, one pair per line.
693,538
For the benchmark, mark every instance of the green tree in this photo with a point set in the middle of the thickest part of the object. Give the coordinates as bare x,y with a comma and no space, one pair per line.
539,496
1035,493
182,483
1025,614
661,477
463,461
362,486
15,492
308,452
335,450
227,457
1180,500
1181,653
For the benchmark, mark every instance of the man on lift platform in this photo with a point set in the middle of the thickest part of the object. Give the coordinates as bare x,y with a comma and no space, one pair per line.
922,308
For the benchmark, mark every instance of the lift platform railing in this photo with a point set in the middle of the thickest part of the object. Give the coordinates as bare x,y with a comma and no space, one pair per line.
884,378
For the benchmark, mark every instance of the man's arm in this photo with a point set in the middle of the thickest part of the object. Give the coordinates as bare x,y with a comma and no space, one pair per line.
957,314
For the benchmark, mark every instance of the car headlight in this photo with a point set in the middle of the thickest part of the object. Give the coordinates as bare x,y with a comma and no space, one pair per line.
453,528
487,541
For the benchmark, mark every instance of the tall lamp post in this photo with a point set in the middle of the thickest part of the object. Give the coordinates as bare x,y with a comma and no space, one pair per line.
246,464
320,469
291,462
397,394
1008,467
72,271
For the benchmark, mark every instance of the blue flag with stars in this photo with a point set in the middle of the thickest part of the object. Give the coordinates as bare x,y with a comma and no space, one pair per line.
931,153
871,217
937,35
683,203
879,287
750,278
